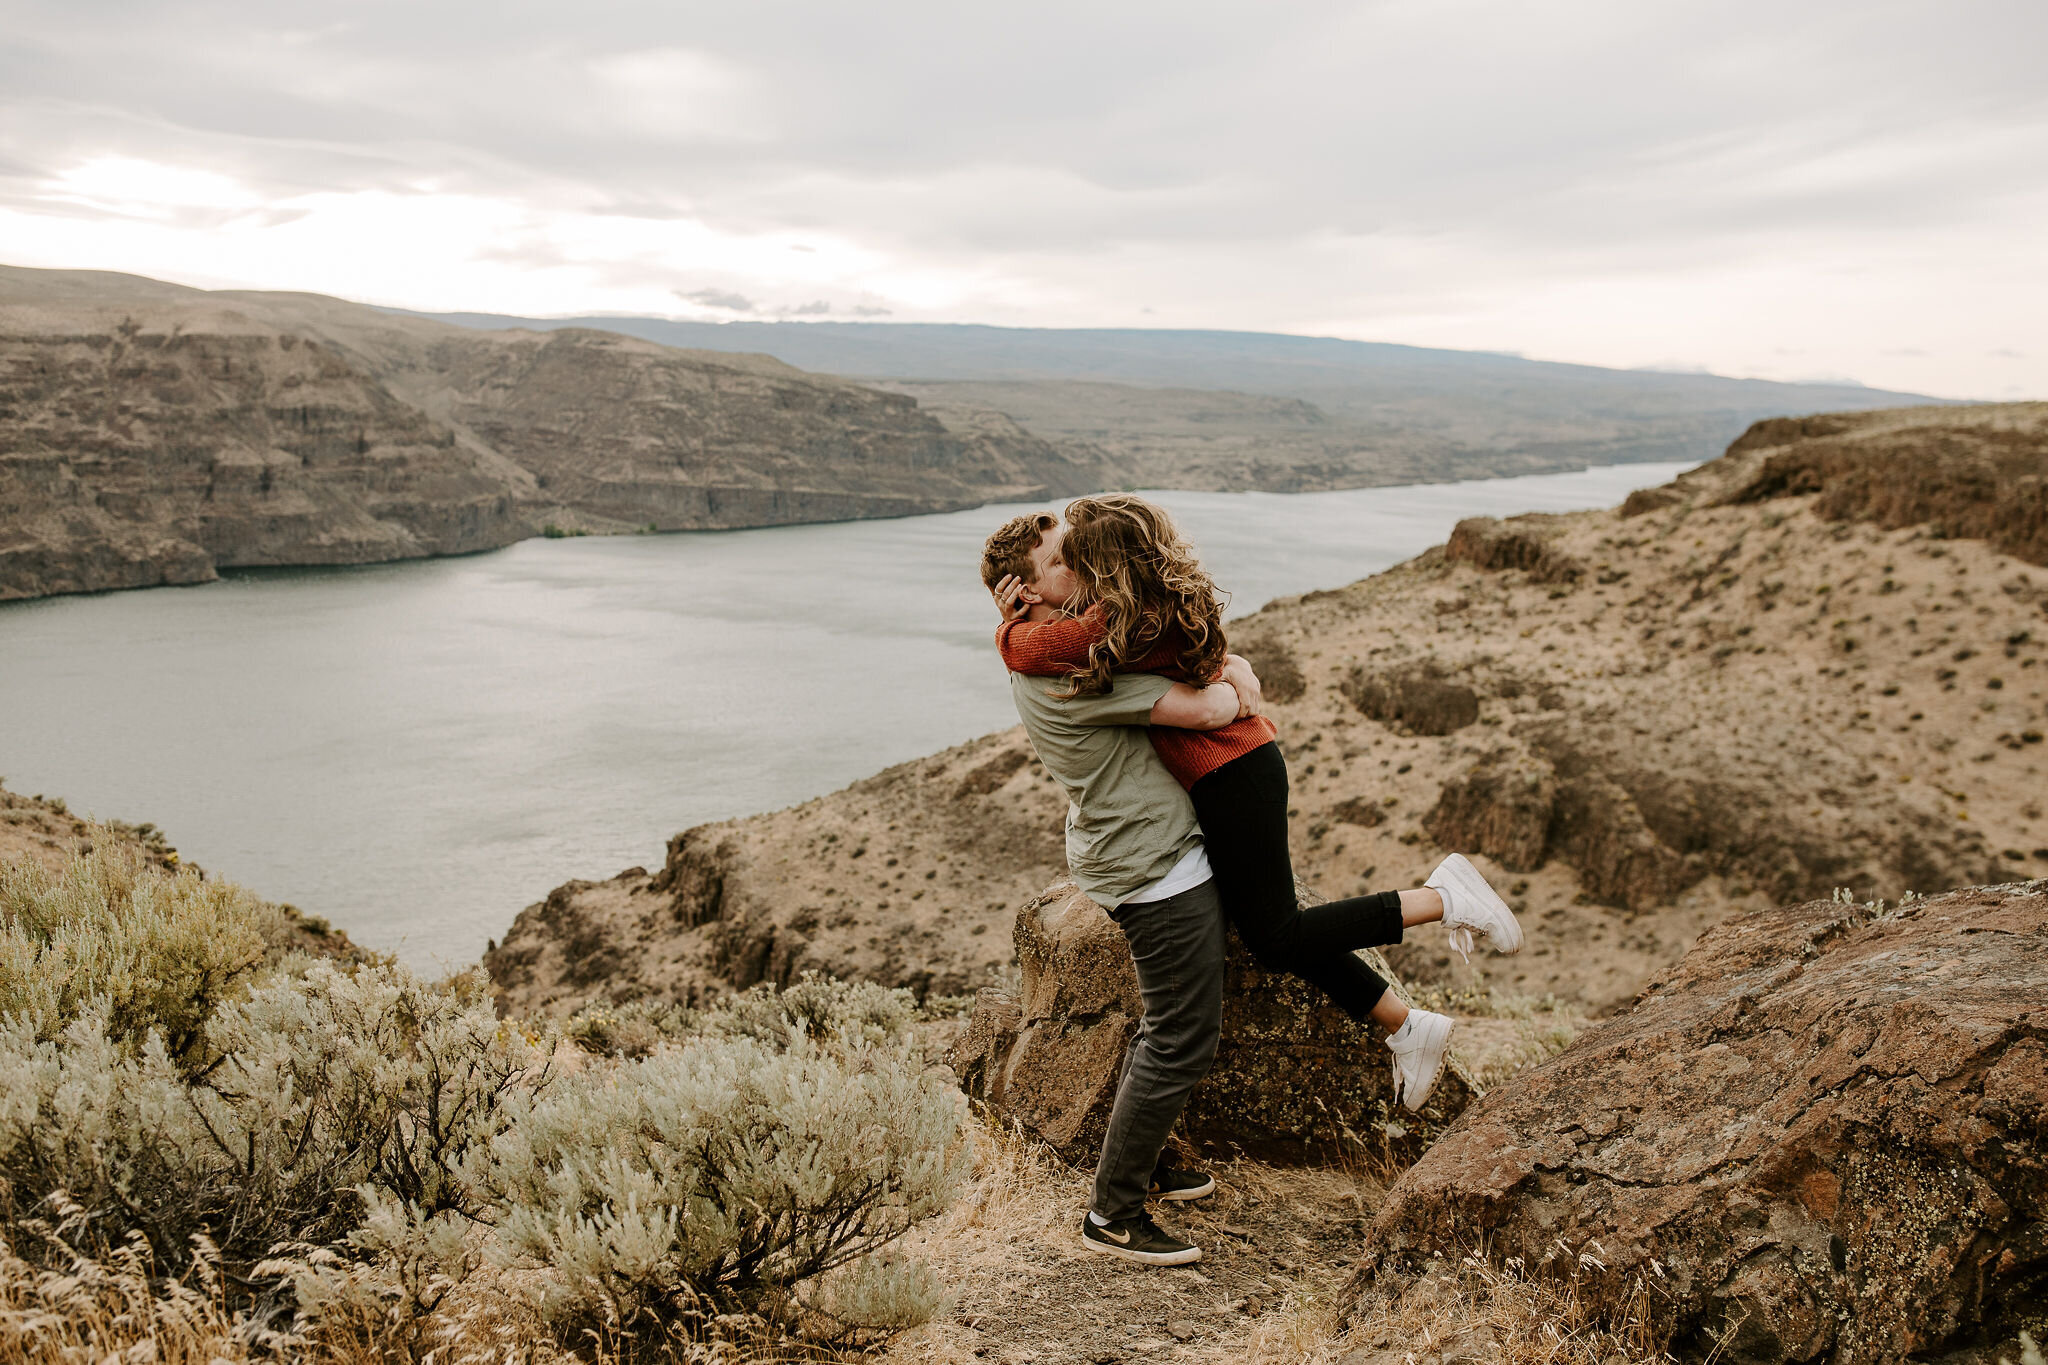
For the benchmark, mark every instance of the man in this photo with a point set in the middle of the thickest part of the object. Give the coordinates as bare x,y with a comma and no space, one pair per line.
1134,847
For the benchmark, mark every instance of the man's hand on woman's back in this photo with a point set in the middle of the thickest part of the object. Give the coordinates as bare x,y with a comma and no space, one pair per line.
1237,671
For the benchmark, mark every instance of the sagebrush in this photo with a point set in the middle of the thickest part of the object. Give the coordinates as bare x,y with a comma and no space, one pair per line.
346,1152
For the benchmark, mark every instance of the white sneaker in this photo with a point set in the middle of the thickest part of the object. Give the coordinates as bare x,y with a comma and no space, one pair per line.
1419,1056
1471,907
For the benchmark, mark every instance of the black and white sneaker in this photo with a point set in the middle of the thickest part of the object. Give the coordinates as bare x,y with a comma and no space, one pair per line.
1137,1239
1170,1182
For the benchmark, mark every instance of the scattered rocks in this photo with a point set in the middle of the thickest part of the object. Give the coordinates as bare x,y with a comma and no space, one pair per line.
1524,542
1824,1132
1418,698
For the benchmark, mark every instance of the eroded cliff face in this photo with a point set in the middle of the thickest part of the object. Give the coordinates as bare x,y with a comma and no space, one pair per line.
151,434
131,457
1638,721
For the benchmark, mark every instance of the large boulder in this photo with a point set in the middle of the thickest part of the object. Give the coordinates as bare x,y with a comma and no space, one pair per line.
1823,1135
1295,1079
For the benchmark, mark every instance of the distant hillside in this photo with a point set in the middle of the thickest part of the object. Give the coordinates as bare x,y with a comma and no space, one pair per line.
1359,413
154,434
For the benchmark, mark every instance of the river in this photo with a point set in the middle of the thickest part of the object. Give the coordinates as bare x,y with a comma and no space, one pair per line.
418,750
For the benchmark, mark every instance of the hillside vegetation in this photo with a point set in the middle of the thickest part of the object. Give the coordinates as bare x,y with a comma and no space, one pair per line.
215,1146
1801,666
154,434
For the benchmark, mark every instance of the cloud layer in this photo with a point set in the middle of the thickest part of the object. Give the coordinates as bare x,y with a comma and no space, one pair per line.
1830,189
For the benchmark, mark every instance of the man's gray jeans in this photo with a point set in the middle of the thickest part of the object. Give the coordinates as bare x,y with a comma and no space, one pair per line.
1177,944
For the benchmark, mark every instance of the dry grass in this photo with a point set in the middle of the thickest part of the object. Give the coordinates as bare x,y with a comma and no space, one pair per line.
1271,1288
1481,1312
1507,1034
93,1312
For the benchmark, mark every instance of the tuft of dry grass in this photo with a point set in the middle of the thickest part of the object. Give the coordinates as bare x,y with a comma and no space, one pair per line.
95,1311
1479,1311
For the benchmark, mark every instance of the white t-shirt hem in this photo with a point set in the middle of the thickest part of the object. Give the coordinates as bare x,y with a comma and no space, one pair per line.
1187,874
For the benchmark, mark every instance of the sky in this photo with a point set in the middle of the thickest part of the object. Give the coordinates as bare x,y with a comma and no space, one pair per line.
1788,191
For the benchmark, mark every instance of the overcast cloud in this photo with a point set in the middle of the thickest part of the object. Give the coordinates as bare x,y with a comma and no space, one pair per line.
1783,190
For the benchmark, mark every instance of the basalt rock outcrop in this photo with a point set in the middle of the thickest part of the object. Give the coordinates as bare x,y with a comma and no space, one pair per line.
154,434
1295,1078
1980,479
1523,543
1823,1135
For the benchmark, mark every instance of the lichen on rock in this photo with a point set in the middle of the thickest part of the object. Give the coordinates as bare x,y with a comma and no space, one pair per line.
1295,1078
1823,1134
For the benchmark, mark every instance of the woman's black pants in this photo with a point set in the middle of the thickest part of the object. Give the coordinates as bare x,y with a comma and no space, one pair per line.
1243,809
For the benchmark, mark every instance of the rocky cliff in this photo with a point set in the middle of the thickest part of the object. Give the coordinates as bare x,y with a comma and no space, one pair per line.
1746,687
1822,1135
154,434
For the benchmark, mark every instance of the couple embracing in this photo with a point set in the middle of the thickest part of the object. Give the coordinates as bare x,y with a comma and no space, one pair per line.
1177,823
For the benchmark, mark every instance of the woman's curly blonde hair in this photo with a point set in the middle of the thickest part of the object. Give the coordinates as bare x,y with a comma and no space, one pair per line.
1128,557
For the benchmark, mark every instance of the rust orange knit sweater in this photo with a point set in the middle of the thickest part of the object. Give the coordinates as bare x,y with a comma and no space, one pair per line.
1046,649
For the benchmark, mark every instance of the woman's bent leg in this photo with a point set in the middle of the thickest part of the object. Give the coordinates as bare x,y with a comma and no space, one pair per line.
1243,810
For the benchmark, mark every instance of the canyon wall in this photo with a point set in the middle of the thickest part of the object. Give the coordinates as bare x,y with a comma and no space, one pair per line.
151,434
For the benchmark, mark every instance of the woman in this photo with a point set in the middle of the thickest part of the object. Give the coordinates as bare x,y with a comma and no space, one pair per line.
1145,605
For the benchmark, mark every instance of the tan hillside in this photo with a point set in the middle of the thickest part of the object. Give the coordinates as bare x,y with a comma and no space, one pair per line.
1796,668
156,434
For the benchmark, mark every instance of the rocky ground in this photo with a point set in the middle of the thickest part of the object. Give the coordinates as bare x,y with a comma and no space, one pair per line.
153,434
1279,1246
1815,662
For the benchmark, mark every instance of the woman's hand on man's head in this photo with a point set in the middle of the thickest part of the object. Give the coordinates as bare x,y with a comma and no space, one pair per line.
1008,595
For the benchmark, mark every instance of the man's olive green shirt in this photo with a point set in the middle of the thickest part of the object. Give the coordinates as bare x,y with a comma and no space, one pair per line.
1128,820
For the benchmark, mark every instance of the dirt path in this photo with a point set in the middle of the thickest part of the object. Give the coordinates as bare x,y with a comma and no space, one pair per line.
1276,1245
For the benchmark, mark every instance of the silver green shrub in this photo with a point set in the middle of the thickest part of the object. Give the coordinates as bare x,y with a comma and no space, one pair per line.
725,1174
104,1133
321,1084
372,1140
633,1029
819,1007
144,950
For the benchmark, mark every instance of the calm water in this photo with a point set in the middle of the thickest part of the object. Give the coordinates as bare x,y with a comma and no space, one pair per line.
418,750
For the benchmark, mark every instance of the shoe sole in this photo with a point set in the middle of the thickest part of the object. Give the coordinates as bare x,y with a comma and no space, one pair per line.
1188,1257
1207,1187
1459,870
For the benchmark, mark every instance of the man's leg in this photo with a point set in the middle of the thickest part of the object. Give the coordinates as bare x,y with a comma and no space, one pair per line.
1177,945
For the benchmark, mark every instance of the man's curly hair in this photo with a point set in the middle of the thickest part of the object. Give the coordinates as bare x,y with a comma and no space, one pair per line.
1008,551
